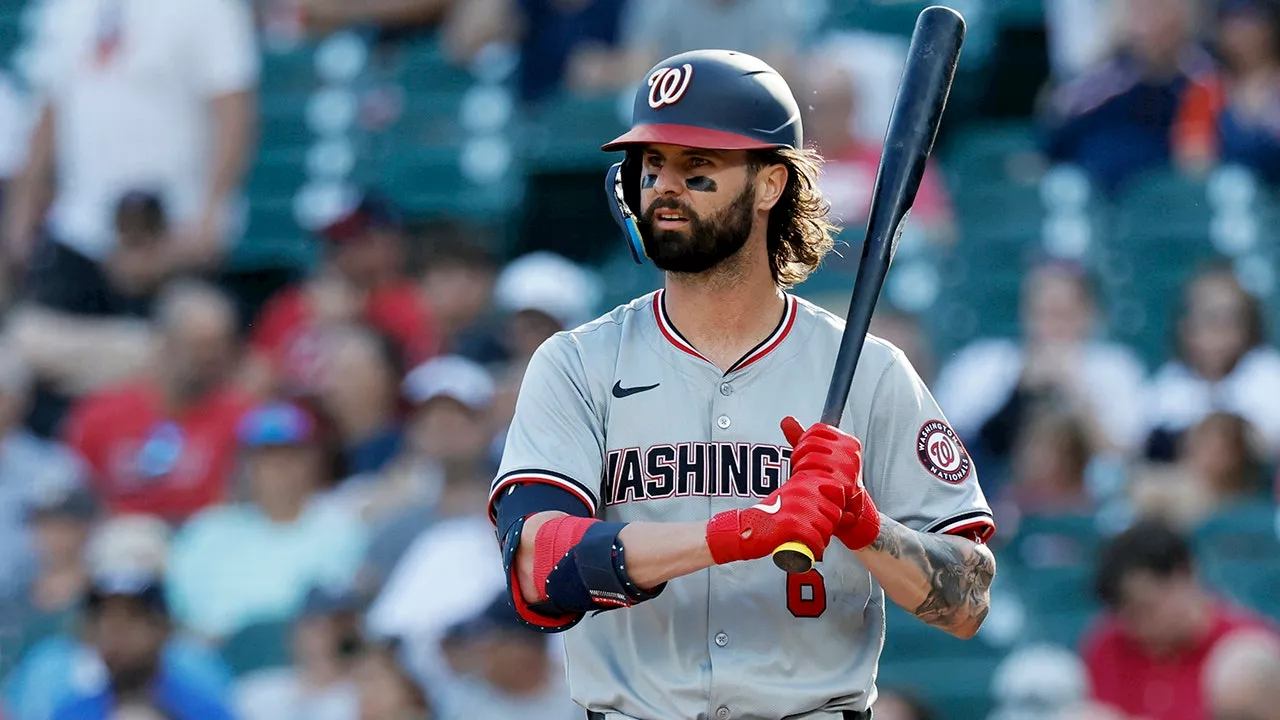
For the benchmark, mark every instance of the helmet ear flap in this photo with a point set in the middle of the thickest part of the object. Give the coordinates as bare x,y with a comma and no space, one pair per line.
622,185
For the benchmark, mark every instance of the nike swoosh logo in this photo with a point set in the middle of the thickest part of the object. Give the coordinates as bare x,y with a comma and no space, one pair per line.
772,508
621,392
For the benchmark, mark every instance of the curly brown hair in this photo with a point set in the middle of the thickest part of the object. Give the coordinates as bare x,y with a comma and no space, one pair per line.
800,234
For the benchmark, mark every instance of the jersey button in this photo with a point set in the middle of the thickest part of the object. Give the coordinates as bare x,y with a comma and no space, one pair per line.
726,389
723,422
722,639
722,713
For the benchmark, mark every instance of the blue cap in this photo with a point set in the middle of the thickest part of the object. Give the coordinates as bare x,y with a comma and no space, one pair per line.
276,424
498,618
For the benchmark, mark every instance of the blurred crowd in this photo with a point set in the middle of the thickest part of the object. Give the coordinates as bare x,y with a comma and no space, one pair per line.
270,505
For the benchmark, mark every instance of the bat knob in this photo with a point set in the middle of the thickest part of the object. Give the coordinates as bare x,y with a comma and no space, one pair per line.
793,557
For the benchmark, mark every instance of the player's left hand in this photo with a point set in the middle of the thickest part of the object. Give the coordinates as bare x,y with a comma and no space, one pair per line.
829,451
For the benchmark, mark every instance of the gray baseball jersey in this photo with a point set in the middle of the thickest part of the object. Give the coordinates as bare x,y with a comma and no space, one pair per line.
628,416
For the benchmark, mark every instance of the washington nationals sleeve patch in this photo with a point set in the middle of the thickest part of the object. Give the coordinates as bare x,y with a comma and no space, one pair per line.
942,453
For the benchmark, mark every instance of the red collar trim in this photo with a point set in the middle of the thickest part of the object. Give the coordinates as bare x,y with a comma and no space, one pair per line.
673,336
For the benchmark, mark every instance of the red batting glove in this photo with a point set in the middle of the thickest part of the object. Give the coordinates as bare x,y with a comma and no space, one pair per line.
830,452
805,509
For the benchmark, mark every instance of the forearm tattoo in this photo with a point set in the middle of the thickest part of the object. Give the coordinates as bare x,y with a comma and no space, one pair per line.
958,573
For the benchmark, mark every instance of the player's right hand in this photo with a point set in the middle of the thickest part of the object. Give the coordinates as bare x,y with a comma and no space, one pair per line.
805,509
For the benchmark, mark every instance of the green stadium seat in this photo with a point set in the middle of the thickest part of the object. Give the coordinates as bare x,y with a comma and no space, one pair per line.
1161,203
289,72
982,152
1254,584
1054,541
894,17
566,132
422,66
258,647
1067,628
1020,13
1246,532
959,688
284,122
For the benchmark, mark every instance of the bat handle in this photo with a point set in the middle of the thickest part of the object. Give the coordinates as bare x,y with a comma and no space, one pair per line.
793,557
796,557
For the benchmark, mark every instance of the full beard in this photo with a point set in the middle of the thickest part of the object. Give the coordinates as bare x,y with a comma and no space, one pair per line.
133,679
704,244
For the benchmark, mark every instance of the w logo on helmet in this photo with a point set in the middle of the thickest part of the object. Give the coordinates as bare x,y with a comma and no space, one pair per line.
667,85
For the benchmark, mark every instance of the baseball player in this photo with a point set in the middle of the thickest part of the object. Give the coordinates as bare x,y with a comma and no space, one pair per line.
655,460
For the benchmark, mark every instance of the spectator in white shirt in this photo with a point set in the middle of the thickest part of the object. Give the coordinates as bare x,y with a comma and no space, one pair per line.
1222,363
135,95
993,386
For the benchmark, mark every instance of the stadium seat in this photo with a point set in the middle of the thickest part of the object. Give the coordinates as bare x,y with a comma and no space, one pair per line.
1253,584
960,688
566,132
1054,541
1245,532
258,647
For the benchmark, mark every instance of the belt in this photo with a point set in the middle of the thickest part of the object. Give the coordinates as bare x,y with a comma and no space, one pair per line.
848,715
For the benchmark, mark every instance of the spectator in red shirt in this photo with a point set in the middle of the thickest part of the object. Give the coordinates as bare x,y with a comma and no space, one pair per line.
1147,657
361,282
164,444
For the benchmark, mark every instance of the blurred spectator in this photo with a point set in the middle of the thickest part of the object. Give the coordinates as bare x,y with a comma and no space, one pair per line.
254,561
771,30
443,473
139,94
85,329
1218,465
27,465
464,27
1075,43
165,443
14,128
60,519
1049,465
360,391
444,466
1119,119
833,101
904,332
457,548
1038,682
516,674
320,684
895,705
571,42
457,283
66,667
130,626
992,387
540,294
1147,656
387,689
1235,120
361,281
1242,678
448,476
1222,363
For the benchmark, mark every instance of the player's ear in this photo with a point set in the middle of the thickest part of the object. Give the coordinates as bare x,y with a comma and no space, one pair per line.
771,182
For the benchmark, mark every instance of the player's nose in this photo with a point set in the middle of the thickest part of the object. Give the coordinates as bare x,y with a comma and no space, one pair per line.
669,182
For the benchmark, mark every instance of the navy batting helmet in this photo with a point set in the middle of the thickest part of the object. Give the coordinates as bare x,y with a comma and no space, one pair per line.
713,99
